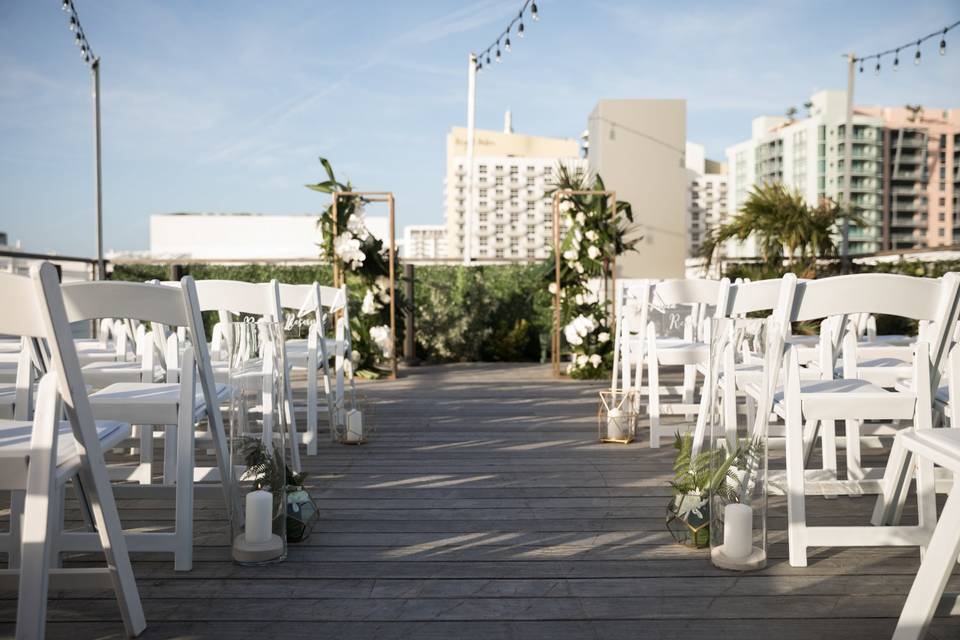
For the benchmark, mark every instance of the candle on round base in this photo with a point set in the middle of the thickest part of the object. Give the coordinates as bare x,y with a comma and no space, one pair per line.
258,544
354,427
737,552
615,430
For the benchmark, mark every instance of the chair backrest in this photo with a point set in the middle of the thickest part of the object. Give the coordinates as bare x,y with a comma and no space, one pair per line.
691,291
750,297
299,296
260,299
933,300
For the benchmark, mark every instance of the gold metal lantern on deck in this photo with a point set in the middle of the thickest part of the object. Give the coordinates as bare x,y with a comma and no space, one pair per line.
617,416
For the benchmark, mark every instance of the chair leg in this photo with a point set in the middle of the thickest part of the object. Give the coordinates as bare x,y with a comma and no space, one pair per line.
145,470
291,426
17,499
35,545
57,499
689,385
183,555
854,458
311,435
828,438
653,403
730,411
896,480
933,574
796,507
170,454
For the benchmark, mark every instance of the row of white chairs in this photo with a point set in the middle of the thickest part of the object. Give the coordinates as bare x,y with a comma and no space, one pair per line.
149,374
794,390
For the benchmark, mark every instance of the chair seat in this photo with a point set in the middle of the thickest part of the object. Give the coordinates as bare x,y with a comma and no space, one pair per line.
15,439
104,373
942,446
855,399
8,371
677,351
146,402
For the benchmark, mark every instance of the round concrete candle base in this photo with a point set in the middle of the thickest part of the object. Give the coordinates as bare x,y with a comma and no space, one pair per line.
756,560
258,553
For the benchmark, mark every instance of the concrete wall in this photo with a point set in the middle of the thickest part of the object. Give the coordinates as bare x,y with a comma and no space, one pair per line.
637,147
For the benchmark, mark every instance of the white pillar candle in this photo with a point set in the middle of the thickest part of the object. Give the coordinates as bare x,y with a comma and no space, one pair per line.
259,523
354,426
737,531
615,429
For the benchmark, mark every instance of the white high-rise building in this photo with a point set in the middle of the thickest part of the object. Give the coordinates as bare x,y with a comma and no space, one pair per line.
511,217
706,196
807,154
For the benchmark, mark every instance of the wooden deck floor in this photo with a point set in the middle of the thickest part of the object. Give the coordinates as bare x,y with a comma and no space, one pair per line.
483,508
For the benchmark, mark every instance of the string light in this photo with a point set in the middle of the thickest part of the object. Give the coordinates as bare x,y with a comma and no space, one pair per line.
916,57
483,58
80,38
877,70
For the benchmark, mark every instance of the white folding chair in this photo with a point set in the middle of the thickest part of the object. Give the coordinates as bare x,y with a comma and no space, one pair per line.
695,300
854,401
940,447
233,298
175,405
38,458
314,352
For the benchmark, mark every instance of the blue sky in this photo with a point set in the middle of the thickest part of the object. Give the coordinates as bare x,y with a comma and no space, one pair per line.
225,106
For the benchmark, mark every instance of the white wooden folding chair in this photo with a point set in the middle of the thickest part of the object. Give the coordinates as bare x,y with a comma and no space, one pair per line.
694,301
940,447
738,364
38,457
175,406
854,401
313,353
233,298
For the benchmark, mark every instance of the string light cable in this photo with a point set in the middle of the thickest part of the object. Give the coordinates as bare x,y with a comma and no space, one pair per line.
941,33
483,58
79,38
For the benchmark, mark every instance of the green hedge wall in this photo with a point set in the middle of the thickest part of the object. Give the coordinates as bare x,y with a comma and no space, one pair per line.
488,313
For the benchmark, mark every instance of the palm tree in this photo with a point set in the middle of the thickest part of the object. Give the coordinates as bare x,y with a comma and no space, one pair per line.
784,226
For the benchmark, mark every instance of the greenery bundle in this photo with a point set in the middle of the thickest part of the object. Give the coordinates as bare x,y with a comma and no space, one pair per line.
594,238
366,262
711,472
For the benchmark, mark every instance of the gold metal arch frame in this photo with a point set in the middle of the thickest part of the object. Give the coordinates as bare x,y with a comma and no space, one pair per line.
557,195
338,277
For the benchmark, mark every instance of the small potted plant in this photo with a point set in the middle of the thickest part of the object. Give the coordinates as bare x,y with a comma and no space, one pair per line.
696,477
301,511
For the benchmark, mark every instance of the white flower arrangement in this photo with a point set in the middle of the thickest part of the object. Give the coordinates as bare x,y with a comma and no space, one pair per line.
593,252
603,336
369,306
595,360
347,248
381,337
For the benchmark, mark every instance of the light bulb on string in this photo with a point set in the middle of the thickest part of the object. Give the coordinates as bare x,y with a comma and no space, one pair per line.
861,65
73,23
479,66
877,69
533,12
498,59
943,43
78,39
66,5
506,45
896,60
916,58
488,56
520,28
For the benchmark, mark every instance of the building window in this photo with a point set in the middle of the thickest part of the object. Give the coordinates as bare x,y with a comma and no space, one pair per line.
531,205
483,169
499,181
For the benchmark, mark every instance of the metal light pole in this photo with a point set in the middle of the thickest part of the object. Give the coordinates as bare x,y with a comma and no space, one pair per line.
86,52
847,166
98,192
471,124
